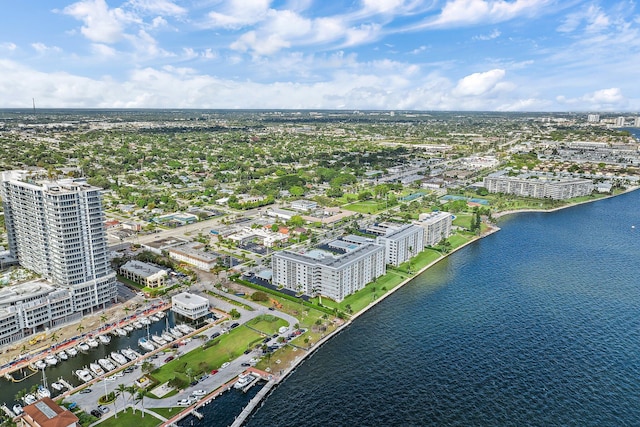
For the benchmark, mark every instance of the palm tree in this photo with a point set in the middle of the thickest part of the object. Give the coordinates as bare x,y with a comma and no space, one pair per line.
316,290
104,318
54,338
120,391
147,367
139,397
80,328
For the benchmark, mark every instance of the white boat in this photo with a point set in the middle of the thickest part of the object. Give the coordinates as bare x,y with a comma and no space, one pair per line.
104,339
146,344
17,409
118,358
158,340
106,364
51,360
167,337
121,332
71,351
62,355
185,329
154,318
144,321
160,314
138,325
40,364
129,354
29,399
83,375
93,343
128,328
96,369
43,392
83,347
57,386
243,381
176,332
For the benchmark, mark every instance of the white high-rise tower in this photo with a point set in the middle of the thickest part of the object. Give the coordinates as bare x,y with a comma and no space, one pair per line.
56,229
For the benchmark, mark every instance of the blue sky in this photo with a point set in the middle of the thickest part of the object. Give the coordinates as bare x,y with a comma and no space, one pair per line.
500,55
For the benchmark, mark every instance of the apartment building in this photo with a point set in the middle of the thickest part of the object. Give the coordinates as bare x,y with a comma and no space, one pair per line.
328,274
401,243
144,274
189,305
528,185
56,229
436,225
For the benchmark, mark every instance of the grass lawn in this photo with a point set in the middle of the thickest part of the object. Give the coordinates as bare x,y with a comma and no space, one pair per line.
458,240
165,412
128,418
367,206
463,220
267,323
228,347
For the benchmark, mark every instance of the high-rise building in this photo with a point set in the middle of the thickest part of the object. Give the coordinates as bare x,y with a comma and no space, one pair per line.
636,122
56,229
620,121
593,118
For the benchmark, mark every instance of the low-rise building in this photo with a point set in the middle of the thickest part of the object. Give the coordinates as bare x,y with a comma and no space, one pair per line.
304,205
145,274
189,305
47,413
192,253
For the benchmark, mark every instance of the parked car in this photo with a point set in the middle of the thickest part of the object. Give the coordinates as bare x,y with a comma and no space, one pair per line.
213,372
235,325
224,365
169,359
96,413
103,409
184,402
85,391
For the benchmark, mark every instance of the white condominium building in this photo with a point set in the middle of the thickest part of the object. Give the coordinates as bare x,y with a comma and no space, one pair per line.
402,243
56,229
538,187
322,272
436,225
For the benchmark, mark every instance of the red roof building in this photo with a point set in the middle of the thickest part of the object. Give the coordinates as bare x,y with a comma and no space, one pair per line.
47,413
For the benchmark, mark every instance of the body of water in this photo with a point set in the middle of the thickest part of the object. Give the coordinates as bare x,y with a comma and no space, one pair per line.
537,325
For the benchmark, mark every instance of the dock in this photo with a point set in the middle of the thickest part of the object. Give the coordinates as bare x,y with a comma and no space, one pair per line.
197,414
8,411
239,421
66,384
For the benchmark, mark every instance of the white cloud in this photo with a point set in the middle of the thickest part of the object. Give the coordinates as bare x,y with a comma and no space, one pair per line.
382,6
605,96
465,12
610,99
43,48
478,84
8,46
101,24
103,51
239,13
163,7
593,17
158,22
493,35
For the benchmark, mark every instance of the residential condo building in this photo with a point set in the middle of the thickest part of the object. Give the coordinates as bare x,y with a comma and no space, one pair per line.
436,225
401,243
56,229
538,187
325,273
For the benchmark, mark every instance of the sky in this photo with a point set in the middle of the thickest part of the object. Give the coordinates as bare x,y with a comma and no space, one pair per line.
474,55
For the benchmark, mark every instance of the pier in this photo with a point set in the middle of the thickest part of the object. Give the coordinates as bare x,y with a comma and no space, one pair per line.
197,414
252,405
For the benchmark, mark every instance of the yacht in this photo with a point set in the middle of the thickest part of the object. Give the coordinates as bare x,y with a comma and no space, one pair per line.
106,364
83,375
51,360
71,351
17,409
128,328
144,321
96,369
146,344
83,347
40,364
154,318
160,314
167,337
93,343
243,381
62,355
129,354
138,325
29,399
185,329
43,392
104,339
57,386
176,333
121,332
118,358
158,340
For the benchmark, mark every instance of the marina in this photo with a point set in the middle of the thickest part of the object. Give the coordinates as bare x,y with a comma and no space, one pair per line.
76,369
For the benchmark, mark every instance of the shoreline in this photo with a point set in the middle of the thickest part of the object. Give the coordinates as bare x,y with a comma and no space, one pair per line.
493,228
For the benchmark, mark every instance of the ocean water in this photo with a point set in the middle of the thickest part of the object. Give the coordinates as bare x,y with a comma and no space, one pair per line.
536,325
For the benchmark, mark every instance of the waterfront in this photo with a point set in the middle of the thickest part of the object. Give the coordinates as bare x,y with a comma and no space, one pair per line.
534,325
64,369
